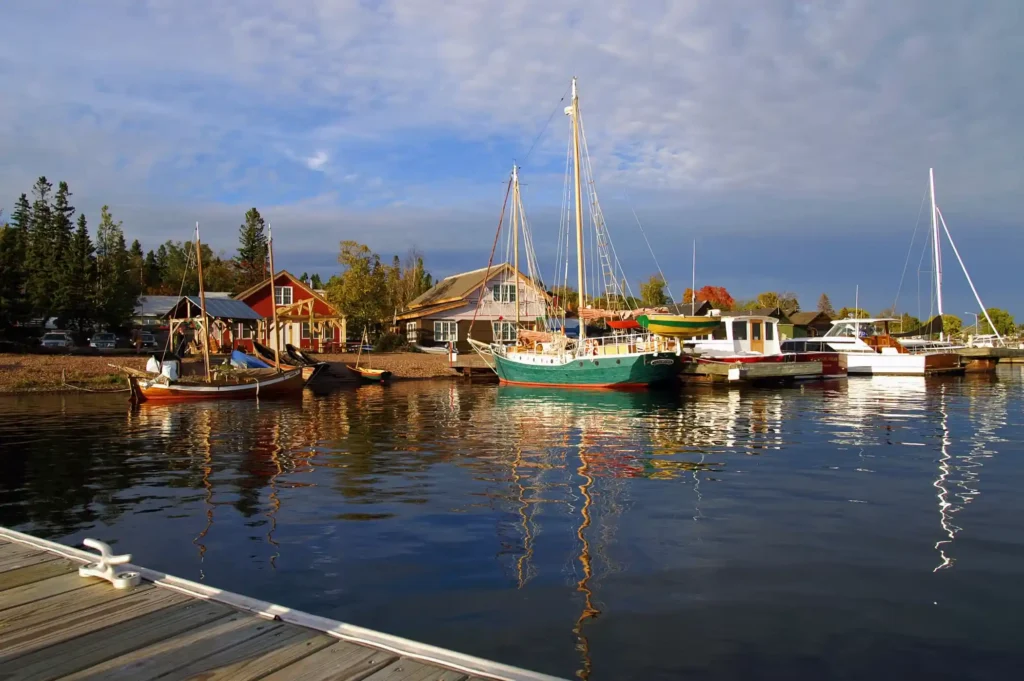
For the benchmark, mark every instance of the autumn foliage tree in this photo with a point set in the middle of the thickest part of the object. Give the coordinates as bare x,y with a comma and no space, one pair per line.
716,295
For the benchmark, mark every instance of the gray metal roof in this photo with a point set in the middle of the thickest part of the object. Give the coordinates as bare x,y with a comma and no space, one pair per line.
154,306
222,308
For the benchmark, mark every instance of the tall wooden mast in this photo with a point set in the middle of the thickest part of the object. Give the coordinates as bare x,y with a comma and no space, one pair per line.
515,238
273,301
202,305
574,111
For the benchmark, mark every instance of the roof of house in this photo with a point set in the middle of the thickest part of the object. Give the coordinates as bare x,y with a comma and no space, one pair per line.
219,308
805,318
458,287
154,306
775,312
295,281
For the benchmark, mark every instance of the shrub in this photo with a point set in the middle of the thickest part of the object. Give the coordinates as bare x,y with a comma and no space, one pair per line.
390,342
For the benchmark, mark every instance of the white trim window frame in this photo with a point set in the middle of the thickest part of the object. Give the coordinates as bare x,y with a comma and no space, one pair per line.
412,332
503,293
504,332
446,331
280,297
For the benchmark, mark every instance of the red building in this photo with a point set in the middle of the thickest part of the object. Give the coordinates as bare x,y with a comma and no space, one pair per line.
307,320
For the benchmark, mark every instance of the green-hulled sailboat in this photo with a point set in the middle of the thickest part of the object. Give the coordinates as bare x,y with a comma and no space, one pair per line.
544,357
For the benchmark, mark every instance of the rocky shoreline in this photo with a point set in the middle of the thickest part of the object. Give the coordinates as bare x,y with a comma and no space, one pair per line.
33,373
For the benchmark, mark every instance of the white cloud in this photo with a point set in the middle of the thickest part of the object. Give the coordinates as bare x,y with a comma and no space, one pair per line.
317,161
825,107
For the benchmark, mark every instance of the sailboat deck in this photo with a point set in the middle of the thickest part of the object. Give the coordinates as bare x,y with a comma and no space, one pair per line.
58,625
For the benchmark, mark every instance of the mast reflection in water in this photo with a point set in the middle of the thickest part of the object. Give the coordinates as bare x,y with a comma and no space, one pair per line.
709,533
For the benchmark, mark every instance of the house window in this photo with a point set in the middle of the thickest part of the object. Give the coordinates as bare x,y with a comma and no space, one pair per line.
769,331
446,331
327,332
739,331
412,332
282,295
244,330
504,331
503,293
305,330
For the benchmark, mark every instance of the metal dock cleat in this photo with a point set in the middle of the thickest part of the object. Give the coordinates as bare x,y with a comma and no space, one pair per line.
104,568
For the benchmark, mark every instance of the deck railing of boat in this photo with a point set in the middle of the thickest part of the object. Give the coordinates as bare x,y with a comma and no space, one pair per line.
633,342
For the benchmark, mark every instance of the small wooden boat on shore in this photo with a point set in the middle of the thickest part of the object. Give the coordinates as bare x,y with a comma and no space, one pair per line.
368,374
291,358
678,326
266,384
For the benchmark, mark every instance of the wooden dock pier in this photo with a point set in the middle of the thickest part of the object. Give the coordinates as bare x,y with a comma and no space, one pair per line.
749,372
55,624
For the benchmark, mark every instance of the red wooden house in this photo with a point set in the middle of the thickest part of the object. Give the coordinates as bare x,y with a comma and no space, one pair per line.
307,320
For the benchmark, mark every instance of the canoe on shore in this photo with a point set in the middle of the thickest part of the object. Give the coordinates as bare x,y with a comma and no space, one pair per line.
368,374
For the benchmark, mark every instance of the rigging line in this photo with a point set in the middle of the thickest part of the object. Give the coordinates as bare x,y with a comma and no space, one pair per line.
181,290
546,124
920,264
490,261
656,263
917,225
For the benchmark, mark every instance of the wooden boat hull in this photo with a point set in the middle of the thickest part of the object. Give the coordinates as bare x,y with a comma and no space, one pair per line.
287,383
631,371
678,326
375,375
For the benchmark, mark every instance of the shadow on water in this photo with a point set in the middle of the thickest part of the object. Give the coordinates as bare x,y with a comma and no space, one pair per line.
832,529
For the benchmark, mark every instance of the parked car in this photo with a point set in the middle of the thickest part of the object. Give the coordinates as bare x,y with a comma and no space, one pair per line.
105,341
58,339
148,340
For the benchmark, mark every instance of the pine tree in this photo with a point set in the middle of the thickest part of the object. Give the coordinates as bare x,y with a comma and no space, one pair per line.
39,253
251,260
137,263
60,267
80,276
116,288
316,283
152,273
825,305
13,242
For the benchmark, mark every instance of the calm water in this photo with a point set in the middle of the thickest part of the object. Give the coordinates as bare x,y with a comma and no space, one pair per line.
864,529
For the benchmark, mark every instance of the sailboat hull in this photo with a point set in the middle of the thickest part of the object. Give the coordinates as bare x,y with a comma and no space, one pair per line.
288,383
633,371
679,326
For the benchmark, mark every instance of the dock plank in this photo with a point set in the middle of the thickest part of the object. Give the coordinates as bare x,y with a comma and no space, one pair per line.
257,657
35,573
13,549
38,590
405,669
342,661
24,560
151,642
51,632
59,606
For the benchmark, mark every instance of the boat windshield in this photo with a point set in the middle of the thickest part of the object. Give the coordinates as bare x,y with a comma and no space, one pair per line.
856,329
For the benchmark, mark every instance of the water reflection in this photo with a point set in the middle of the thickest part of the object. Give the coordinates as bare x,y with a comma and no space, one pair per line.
532,510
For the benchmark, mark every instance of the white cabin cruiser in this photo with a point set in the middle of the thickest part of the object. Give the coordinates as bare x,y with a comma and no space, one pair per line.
870,349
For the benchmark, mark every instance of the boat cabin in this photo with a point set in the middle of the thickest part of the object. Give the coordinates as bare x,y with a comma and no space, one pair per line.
864,335
741,335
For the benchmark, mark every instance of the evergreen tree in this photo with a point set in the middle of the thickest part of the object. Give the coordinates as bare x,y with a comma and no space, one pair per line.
316,283
59,265
163,265
251,261
38,255
137,262
152,274
116,289
825,305
13,241
80,275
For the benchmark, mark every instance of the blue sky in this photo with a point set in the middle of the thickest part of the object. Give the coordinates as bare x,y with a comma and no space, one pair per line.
792,140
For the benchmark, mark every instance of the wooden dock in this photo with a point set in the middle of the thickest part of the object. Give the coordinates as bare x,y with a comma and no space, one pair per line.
55,624
471,364
749,372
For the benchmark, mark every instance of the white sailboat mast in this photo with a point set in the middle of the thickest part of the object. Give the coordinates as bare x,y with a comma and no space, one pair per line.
515,238
937,241
574,112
